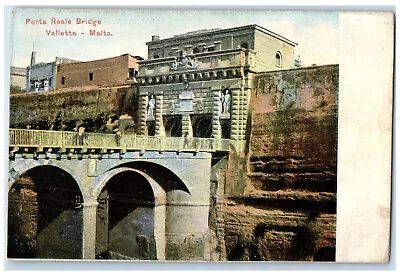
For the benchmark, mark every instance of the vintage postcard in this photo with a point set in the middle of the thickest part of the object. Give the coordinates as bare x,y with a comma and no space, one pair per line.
199,135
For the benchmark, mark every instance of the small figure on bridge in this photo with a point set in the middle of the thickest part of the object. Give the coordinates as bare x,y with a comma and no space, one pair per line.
82,140
186,140
118,137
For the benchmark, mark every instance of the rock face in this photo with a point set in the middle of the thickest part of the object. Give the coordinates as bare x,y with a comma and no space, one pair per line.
287,210
91,107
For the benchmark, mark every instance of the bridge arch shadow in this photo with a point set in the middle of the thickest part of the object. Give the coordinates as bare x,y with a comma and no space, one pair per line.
167,179
44,220
132,212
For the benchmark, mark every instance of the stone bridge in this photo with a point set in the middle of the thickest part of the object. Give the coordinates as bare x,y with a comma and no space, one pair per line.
135,196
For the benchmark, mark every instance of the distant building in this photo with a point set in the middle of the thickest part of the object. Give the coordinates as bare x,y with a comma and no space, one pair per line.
17,79
41,76
65,73
104,72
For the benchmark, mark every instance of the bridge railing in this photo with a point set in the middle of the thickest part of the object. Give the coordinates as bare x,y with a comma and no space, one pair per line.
49,138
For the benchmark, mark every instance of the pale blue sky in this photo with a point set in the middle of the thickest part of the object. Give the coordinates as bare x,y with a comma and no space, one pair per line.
317,33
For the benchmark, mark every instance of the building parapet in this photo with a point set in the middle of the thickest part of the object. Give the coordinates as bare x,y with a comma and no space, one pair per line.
203,62
18,71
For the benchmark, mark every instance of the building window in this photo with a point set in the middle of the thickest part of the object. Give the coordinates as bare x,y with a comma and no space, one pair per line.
211,49
132,73
244,45
62,80
156,56
91,76
196,50
278,59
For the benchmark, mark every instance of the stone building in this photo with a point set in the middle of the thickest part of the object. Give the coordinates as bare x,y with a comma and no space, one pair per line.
104,72
17,79
273,50
41,76
67,73
198,84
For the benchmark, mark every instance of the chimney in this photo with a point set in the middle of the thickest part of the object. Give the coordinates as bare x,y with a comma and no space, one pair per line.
33,58
155,38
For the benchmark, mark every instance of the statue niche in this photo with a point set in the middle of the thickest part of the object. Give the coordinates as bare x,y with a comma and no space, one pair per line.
226,100
150,108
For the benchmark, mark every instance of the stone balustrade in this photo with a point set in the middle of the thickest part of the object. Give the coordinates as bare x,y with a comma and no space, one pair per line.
125,142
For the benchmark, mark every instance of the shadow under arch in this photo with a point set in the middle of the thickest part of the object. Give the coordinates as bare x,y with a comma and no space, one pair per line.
130,201
43,218
23,167
167,179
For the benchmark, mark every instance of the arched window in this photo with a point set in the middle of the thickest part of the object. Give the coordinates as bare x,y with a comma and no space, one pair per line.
202,126
278,59
244,45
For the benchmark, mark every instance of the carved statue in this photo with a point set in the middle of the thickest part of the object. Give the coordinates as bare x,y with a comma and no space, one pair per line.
183,62
174,65
151,106
226,102
191,62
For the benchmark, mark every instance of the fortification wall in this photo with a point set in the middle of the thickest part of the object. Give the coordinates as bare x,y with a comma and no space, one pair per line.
287,208
89,107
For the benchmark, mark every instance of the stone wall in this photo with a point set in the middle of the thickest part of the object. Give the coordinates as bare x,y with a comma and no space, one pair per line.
92,108
287,210
294,130
22,207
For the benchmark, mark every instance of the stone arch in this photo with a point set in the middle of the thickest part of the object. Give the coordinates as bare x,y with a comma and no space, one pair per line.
44,215
19,168
159,193
159,209
173,126
164,176
202,126
168,190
